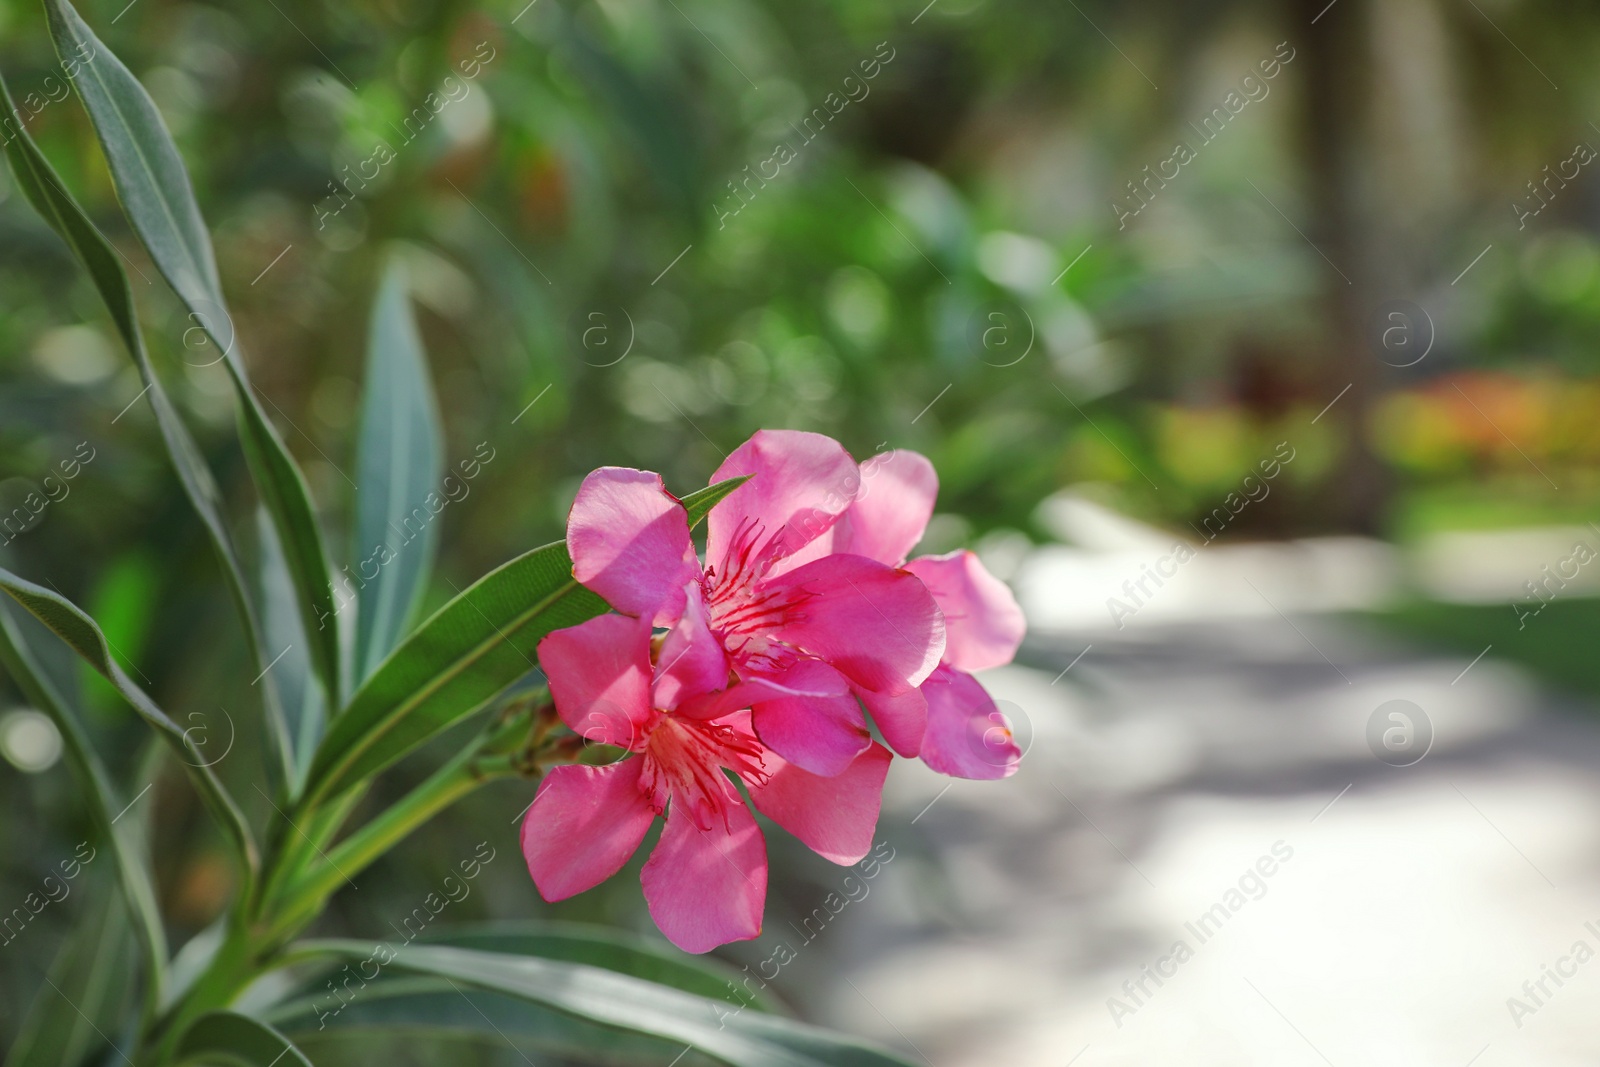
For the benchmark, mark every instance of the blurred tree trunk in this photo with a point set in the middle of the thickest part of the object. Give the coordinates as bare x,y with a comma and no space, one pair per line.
1337,94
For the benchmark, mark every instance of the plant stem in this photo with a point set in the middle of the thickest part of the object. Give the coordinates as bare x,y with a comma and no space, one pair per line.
462,775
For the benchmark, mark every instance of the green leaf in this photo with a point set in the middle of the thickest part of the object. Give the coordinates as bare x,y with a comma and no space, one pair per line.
84,637
156,195
399,465
84,1005
700,502
105,801
716,1028
225,1037
452,665
408,1006
603,947
304,715
45,191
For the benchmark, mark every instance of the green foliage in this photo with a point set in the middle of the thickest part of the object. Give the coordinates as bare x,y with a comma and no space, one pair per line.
597,997
400,461
83,1005
236,1040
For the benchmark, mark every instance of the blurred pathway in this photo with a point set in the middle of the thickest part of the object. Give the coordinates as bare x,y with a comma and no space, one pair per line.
1211,783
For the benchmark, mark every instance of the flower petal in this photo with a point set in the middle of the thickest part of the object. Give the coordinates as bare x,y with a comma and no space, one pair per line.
707,887
584,824
967,735
692,661
808,716
902,719
599,675
629,540
834,816
802,483
877,625
983,624
892,509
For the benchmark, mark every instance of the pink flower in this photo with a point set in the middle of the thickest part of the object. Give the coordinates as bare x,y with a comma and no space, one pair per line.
812,623
686,731
964,734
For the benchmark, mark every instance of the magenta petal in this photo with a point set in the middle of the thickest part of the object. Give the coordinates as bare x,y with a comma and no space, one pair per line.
877,625
808,678
583,825
810,718
707,887
892,509
599,675
983,624
802,483
629,540
692,661
902,719
967,735
834,816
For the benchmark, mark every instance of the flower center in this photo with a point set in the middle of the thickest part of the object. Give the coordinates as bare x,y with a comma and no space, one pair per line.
744,611
684,762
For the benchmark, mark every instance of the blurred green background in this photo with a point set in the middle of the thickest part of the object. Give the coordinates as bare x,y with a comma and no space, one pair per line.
958,248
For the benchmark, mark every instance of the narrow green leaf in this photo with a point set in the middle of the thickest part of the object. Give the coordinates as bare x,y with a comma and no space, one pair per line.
45,191
452,665
157,196
716,1028
599,946
304,708
410,1007
228,1038
85,1004
700,502
399,466
84,637
105,801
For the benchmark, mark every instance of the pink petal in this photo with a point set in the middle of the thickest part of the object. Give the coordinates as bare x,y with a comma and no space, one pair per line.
877,625
584,824
834,816
707,887
629,540
902,718
892,509
692,660
599,675
802,483
967,735
983,624
808,716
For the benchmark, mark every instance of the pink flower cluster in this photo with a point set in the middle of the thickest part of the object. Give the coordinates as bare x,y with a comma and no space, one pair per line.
805,619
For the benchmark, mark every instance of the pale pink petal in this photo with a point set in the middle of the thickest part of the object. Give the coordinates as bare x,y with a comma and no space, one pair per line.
834,816
629,540
983,624
892,509
967,736
808,716
599,675
876,625
584,824
902,718
802,483
707,887
691,661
